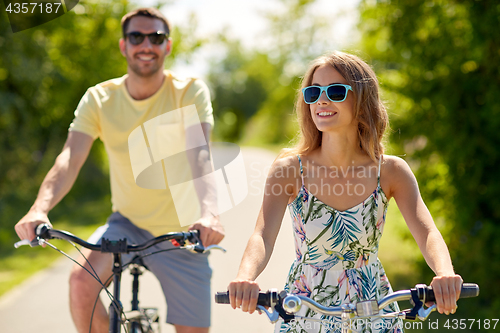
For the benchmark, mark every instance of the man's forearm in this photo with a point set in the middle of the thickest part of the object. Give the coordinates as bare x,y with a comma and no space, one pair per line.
211,230
56,184
205,184
200,161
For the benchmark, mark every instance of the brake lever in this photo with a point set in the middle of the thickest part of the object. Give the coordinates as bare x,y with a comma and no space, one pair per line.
33,243
423,314
273,316
215,247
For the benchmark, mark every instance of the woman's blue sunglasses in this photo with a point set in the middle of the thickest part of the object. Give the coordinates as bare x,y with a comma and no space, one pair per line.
334,92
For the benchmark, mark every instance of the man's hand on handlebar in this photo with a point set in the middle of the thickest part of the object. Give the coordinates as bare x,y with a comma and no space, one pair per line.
25,228
211,230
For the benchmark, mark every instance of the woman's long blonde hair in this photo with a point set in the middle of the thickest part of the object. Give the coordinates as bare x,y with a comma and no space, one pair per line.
369,109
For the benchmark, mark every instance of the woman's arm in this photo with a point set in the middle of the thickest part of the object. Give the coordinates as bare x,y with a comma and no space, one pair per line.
404,189
280,186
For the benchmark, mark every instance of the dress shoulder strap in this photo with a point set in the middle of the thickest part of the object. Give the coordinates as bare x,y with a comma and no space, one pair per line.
379,165
301,170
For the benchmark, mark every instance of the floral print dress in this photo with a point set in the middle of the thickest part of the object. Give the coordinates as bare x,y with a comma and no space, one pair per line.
336,260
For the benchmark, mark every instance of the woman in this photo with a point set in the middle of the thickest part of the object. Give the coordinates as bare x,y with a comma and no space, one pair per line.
337,184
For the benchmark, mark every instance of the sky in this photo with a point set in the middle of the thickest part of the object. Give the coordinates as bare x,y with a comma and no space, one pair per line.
244,21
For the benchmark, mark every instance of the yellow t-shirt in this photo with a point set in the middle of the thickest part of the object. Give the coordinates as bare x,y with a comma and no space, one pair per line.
109,112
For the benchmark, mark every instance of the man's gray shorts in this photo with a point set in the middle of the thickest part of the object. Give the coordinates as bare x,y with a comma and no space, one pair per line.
184,276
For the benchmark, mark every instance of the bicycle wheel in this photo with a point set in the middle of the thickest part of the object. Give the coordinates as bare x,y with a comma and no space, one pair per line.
151,320
145,320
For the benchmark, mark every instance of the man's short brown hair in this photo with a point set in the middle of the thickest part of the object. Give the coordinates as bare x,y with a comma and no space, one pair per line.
147,12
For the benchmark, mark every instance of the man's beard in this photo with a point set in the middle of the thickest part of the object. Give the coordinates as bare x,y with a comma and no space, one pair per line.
144,72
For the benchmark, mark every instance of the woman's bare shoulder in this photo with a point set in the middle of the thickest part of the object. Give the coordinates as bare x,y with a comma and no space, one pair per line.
286,167
395,172
284,176
395,165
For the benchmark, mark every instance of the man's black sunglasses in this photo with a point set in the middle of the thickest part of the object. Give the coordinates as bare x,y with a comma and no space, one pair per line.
136,37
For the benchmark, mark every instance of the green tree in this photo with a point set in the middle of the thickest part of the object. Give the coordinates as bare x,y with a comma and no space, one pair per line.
438,63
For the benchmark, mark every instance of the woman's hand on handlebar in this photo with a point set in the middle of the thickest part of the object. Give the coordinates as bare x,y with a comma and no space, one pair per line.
447,291
25,228
243,294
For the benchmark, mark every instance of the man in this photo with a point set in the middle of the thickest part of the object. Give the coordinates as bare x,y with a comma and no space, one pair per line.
111,111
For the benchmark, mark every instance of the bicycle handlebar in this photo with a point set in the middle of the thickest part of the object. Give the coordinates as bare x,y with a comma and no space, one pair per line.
291,303
44,231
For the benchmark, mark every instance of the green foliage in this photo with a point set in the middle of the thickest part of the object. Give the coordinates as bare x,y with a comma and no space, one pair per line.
185,41
438,63
238,90
247,88
254,90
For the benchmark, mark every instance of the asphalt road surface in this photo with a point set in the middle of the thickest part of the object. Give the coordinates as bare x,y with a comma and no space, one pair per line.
41,303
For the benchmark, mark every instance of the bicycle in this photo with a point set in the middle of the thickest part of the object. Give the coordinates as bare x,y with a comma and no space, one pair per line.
286,305
143,320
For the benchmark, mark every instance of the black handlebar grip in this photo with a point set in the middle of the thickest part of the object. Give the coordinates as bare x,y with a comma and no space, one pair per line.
264,299
468,290
223,298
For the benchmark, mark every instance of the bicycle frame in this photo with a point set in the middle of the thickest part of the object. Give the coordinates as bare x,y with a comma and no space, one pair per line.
116,308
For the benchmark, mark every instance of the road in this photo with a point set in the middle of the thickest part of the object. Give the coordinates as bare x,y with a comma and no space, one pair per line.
41,303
